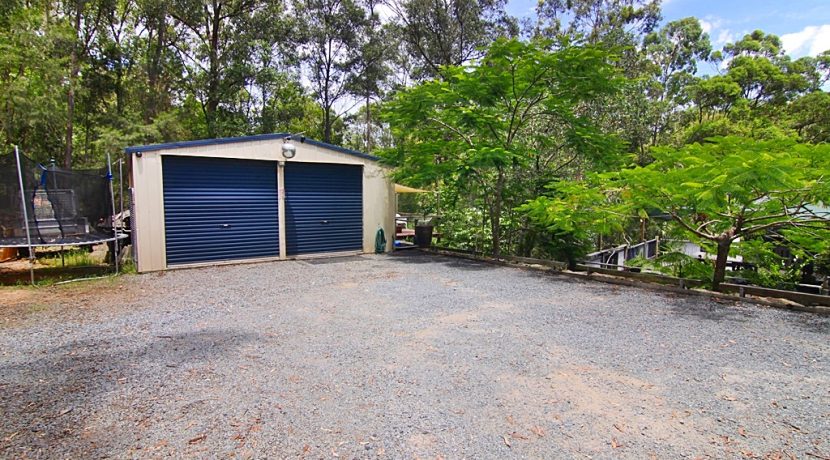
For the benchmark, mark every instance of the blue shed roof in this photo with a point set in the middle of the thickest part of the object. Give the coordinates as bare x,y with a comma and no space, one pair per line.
233,140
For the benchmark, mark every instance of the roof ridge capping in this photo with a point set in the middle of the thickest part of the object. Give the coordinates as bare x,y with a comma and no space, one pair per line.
254,138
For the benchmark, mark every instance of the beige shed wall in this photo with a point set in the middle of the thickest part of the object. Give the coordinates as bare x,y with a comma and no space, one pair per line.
147,177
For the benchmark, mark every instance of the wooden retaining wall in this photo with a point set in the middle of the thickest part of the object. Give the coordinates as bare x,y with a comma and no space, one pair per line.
789,300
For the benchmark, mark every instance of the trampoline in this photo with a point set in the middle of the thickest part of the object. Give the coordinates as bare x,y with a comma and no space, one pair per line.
44,205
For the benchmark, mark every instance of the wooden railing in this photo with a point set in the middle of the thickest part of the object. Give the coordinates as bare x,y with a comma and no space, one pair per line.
627,272
800,297
554,264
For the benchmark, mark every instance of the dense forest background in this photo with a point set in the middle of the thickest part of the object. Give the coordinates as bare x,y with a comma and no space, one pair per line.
80,79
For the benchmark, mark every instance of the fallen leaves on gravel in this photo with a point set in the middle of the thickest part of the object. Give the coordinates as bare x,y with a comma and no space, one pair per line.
794,427
506,441
538,431
198,439
779,455
615,444
161,444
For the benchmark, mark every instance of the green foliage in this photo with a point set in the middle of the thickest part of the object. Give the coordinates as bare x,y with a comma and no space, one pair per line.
599,21
439,33
577,208
477,129
822,263
771,270
32,72
569,247
719,191
329,48
677,264
811,117
731,184
465,228
71,258
147,71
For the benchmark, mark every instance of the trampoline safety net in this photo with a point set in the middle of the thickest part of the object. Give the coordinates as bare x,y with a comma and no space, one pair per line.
64,207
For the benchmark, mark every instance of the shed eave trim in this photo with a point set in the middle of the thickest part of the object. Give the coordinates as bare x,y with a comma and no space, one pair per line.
233,140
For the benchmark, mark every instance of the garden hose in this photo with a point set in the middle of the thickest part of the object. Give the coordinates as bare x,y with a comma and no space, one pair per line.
380,241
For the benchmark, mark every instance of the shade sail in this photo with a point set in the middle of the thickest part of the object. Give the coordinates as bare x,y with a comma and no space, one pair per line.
404,189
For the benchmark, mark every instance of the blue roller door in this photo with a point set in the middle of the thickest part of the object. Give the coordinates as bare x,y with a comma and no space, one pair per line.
323,208
219,209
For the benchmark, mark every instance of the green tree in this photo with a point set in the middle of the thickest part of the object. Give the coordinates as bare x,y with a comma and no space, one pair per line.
755,95
289,109
159,67
598,21
32,75
329,52
479,126
673,53
765,74
440,33
372,70
86,19
716,192
810,117
217,41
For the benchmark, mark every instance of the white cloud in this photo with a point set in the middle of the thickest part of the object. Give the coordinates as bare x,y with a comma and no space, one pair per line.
711,23
725,36
714,26
810,41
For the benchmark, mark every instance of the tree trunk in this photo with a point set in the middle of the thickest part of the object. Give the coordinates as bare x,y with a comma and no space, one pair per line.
720,263
154,71
70,116
495,215
74,71
119,88
368,125
213,97
495,229
327,125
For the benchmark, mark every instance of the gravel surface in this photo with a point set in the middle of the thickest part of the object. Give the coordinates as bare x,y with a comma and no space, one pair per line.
404,356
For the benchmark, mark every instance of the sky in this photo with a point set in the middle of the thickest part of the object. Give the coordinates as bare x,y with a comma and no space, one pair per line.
803,25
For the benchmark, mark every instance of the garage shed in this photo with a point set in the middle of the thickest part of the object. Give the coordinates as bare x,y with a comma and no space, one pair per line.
253,198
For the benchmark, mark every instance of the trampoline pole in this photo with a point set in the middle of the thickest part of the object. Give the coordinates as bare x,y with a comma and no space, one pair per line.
112,218
121,188
25,217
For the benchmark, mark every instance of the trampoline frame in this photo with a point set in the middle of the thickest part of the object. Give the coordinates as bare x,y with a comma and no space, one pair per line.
118,235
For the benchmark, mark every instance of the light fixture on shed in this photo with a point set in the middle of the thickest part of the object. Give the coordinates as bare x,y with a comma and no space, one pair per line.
288,149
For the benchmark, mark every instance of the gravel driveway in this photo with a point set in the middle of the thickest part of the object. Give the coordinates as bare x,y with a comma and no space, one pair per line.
404,356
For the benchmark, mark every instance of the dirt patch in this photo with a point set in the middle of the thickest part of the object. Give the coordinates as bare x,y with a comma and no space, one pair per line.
603,409
15,296
69,302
